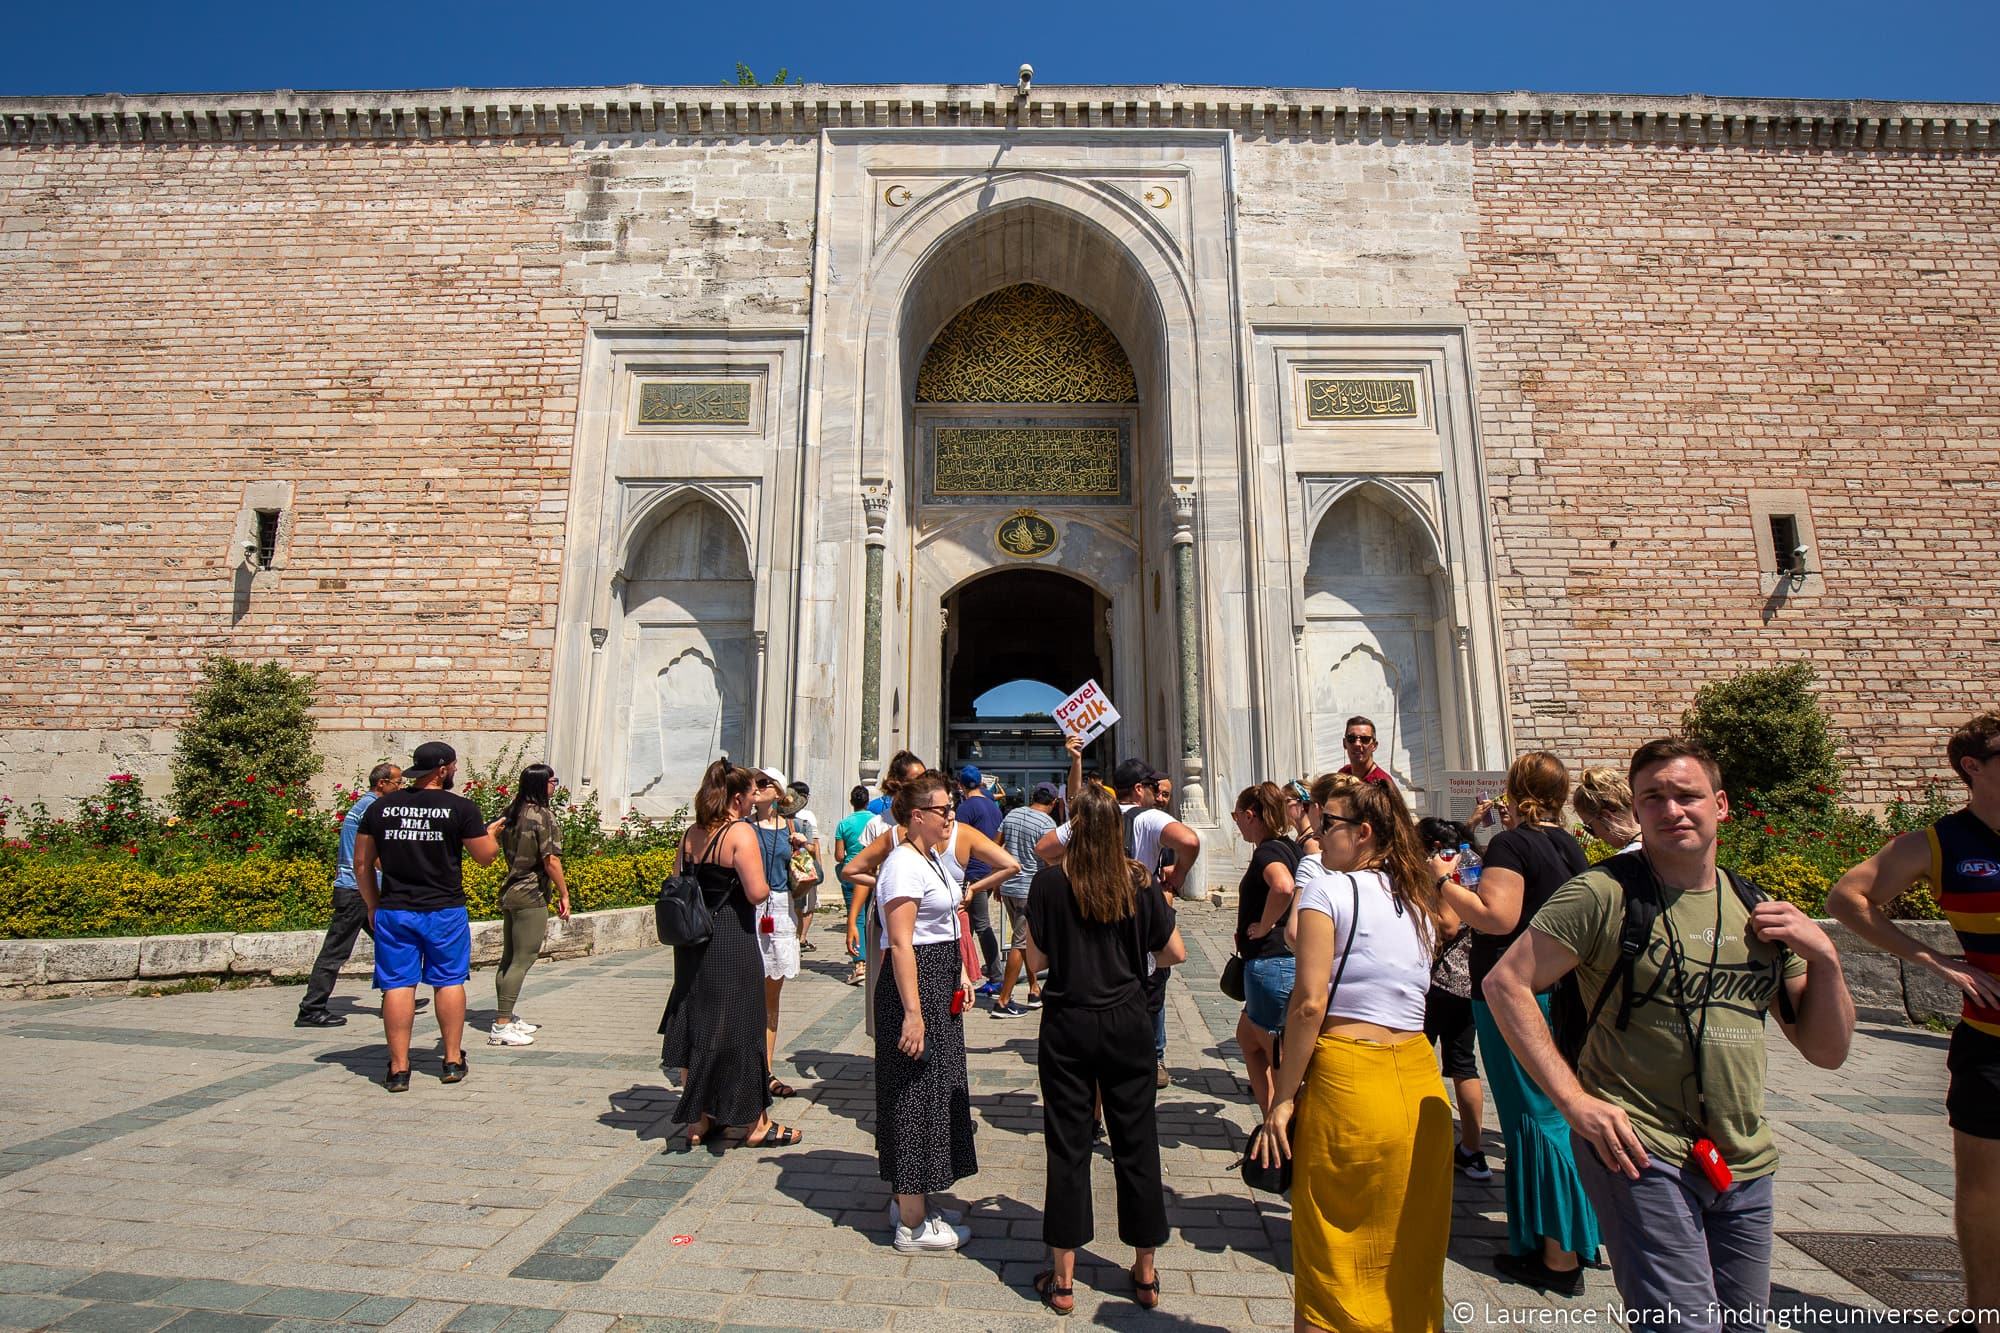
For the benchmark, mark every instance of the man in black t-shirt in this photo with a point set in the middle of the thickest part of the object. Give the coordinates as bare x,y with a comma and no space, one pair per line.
417,910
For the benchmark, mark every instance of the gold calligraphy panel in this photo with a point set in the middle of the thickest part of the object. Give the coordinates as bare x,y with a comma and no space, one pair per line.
1056,461
1026,344
1347,399
695,403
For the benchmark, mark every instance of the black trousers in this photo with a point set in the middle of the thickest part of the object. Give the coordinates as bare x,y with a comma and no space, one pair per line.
350,918
1083,1052
981,917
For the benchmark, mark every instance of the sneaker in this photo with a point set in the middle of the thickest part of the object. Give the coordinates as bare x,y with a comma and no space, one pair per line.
454,1070
1034,999
1472,1164
319,1018
1009,1011
523,1025
952,1217
935,1236
509,1034
397,1080
990,989
1161,1078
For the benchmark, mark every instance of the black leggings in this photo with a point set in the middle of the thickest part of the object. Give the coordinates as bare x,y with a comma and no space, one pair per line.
1083,1051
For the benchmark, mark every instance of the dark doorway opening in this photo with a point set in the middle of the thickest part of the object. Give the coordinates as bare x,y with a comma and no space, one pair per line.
1004,630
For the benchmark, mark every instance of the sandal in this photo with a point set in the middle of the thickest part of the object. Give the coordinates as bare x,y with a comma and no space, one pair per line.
1046,1288
1142,1290
775,1136
778,1089
858,977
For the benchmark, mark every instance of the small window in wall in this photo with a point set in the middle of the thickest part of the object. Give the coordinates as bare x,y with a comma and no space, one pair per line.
1787,552
267,536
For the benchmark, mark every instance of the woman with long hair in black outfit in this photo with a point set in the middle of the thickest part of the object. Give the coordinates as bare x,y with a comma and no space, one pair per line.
532,843
713,1030
1092,923
923,1100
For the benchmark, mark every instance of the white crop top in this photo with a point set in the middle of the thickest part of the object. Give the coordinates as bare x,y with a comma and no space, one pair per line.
936,881
1389,971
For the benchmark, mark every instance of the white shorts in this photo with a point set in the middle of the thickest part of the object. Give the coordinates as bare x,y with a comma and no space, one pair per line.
779,945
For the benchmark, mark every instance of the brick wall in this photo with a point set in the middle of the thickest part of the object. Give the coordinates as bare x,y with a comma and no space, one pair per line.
1660,330
383,326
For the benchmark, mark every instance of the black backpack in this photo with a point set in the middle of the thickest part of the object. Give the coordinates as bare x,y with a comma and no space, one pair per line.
1571,1022
681,914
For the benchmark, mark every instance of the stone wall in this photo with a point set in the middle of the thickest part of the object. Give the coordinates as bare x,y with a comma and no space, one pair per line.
374,337
1660,331
1326,229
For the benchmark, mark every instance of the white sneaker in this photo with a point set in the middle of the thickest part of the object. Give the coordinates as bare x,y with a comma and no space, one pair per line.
951,1216
505,1034
523,1025
935,1235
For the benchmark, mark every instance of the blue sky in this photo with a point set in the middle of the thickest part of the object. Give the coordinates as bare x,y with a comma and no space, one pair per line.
1942,51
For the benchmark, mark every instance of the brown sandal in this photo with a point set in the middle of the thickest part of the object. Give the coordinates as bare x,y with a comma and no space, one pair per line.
1142,1290
778,1089
1046,1288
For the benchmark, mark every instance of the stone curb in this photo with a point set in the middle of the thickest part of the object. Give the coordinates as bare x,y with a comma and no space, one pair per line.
119,964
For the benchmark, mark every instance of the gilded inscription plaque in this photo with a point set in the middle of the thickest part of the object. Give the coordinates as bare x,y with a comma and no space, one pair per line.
1361,400
695,403
1071,461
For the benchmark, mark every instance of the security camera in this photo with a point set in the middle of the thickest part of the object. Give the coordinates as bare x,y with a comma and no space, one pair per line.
1799,555
1027,77
249,550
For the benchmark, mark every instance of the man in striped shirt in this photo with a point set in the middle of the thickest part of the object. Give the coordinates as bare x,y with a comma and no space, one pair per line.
1959,856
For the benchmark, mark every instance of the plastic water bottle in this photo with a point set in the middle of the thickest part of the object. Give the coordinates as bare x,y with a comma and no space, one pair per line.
1468,866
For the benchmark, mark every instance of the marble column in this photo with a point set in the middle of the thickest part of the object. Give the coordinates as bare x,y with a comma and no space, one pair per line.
875,509
1194,796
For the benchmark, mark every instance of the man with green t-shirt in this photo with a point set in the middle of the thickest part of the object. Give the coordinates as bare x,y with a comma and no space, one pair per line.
1667,1111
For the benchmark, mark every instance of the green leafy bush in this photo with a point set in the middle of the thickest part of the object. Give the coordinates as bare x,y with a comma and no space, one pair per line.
248,724
1767,731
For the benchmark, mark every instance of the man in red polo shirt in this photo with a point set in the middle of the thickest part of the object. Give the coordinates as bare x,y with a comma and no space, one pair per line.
1360,743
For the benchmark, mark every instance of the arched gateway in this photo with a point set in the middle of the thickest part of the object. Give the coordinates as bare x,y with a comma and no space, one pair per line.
1029,434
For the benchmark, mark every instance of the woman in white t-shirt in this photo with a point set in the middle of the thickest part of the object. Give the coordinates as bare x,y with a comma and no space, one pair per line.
1372,1151
923,1102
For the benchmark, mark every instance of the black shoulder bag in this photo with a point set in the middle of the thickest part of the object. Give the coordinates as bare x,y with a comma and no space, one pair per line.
681,914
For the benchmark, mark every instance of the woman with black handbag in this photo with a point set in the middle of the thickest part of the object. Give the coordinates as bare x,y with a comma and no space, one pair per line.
1263,903
713,1030
1094,922
1371,1149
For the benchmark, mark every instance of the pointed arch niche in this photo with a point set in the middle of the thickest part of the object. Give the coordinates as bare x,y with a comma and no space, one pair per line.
688,652
1376,635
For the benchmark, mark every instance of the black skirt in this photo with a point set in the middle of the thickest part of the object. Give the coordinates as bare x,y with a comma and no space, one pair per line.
714,1023
923,1108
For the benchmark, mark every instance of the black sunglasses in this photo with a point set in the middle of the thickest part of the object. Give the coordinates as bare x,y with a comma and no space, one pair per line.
1342,819
1356,738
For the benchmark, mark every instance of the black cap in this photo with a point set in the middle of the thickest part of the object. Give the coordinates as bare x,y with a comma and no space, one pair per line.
428,759
1045,793
1131,773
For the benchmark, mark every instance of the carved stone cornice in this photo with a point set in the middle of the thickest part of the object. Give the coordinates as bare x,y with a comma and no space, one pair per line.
1338,114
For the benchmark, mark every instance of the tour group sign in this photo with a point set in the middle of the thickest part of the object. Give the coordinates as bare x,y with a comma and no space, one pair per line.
1086,714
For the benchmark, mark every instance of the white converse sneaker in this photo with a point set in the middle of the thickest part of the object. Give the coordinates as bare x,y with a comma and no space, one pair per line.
935,1236
506,1034
951,1216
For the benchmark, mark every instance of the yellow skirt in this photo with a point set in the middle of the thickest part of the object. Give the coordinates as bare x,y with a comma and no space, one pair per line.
1371,1188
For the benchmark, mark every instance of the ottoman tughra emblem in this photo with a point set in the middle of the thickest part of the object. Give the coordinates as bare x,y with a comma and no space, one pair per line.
1026,535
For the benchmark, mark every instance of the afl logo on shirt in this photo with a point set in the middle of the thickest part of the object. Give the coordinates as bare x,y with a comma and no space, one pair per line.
1979,869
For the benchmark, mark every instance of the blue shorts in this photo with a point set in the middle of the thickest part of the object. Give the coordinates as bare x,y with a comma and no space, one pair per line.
1267,989
434,947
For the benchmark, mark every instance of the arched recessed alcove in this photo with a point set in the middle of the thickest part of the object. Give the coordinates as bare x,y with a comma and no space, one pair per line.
1373,608
688,664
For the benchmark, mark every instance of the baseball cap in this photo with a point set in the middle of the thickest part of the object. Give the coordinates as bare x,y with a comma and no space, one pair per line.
428,759
969,776
1044,791
776,777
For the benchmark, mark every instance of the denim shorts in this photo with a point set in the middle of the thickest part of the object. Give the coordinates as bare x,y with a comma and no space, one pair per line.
1267,989
434,947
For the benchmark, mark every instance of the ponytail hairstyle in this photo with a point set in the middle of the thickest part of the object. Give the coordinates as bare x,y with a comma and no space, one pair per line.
721,784
1399,854
899,771
532,789
1537,787
1442,835
1266,801
1105,881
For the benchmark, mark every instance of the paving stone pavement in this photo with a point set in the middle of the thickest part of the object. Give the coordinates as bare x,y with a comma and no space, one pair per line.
194,1163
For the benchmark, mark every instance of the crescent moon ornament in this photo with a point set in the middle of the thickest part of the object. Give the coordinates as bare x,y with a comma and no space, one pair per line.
1158,196
896,196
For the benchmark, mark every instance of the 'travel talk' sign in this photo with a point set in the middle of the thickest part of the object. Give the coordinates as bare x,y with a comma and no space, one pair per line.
1087,714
